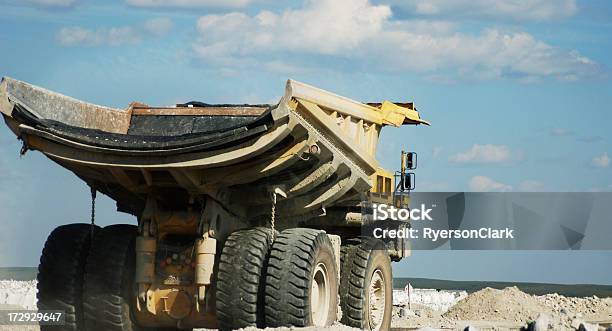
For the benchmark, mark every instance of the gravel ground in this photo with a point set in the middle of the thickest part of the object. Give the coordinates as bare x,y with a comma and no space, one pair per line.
487,309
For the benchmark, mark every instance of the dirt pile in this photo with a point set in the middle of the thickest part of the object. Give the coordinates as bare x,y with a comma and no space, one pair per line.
514,306
509,304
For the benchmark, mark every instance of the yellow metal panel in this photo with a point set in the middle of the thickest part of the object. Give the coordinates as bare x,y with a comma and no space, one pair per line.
388,114
396,115
383,174
343,136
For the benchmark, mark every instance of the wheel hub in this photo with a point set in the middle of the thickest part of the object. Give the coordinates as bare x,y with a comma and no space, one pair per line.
320,295
377,300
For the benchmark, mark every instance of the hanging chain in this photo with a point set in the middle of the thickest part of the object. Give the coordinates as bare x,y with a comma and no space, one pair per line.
93,210
24,148
202,219
273,217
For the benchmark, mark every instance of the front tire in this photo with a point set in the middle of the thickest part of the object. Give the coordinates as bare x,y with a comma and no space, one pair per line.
60,274
301,280
366,285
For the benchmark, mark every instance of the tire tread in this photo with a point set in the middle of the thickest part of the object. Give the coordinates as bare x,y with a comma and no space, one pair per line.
240,278
287,281
60,274
355,259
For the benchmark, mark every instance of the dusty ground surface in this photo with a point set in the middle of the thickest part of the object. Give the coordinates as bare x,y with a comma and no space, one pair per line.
487,309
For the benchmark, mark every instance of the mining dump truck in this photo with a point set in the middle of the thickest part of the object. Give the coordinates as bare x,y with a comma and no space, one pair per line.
247,215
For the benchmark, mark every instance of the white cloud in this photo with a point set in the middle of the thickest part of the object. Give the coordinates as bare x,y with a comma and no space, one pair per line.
324,27
158,26
531,186
488,55
484,154
52,3
601,161
190,3
115,36
486,184
360,31
520,10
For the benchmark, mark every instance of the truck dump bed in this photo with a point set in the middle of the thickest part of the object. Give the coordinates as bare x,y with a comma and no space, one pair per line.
315,147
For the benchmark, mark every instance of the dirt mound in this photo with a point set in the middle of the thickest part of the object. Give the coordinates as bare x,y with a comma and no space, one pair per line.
509,304
513,305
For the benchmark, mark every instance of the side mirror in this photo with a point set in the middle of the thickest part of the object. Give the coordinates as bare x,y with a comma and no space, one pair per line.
408,182
411,161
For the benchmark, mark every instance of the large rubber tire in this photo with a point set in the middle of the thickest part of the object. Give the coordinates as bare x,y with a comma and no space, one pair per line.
108,280
60,274
296,259
361,261
240,279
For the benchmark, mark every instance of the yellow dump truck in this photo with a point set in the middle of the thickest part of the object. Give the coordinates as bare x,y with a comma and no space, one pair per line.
248,215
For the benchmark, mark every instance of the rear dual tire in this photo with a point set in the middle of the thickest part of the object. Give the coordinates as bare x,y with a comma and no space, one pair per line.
301,280
90,280
108,279
240,289
60,274
291,282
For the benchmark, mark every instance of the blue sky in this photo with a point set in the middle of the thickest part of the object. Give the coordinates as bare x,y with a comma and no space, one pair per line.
518,94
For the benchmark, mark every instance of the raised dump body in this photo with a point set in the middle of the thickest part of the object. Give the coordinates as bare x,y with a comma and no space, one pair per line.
196,173
317,147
